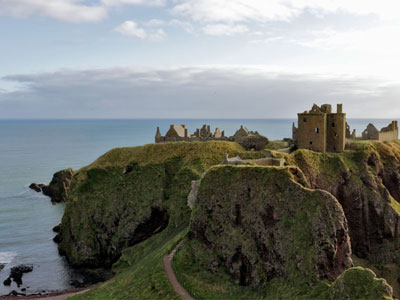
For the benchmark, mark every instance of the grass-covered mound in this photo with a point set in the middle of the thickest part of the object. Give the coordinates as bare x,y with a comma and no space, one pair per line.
129,194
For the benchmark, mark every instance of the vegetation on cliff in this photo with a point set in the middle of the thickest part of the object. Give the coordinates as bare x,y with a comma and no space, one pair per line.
129,208
129,194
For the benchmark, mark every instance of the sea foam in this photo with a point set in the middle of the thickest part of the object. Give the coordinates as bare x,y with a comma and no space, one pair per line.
7,257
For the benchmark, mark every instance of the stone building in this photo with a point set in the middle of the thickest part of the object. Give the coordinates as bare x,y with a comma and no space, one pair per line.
386,134
174,134
178,133
319,129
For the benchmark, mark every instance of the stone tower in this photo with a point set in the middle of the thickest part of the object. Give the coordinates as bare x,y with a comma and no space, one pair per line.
322,130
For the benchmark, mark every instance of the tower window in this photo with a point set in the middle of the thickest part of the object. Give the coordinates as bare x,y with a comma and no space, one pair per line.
333,124
317,130
310,143
304,120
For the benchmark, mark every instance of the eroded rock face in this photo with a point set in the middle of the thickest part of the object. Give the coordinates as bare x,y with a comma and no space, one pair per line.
367,184
253,142
57,189
258,223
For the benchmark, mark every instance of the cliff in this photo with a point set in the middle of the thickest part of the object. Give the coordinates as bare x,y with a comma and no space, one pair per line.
281,231
130,194
259,224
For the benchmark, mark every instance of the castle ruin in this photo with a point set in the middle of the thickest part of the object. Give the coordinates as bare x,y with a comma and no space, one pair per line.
177,133
321,130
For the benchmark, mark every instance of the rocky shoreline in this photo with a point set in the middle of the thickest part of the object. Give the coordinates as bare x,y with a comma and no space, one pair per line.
49,296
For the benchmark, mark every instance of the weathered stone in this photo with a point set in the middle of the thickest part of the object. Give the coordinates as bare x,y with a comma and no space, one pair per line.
258,223
193,193
57,190
16,274
36,187
253,142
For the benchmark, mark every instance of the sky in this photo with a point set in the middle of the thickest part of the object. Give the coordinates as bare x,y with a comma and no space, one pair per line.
198,58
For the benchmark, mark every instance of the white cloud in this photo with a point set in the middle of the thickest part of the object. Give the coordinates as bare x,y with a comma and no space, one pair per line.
224,29
135,2
68,10
214,92
154,23
130,28
280,10
65,10
157,35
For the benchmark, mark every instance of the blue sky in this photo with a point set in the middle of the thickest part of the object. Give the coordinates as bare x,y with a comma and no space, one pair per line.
197,58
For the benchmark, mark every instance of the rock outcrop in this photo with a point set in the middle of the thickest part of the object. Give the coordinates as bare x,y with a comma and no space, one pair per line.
259,224
129,195
37,187
360,283
16,274
366,182
255,142
57,189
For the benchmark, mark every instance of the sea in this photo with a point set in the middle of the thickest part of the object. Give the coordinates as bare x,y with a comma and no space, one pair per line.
33,150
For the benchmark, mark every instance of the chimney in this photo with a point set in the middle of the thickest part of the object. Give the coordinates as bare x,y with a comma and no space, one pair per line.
186,133
171,126
223,133
340,108
158,133
208,129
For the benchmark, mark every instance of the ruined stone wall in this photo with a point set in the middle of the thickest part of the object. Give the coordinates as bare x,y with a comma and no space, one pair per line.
312,131
389,136
336,132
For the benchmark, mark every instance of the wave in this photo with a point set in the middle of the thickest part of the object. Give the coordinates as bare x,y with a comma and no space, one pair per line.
7,257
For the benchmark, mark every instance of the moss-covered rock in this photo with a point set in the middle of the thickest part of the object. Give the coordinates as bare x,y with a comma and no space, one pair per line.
367,185
58,188
130,194
255,142
359,283
258,224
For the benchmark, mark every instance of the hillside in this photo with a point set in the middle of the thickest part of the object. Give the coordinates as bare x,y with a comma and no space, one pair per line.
128,208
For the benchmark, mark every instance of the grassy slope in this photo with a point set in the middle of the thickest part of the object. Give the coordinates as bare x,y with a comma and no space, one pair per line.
100,188
139,271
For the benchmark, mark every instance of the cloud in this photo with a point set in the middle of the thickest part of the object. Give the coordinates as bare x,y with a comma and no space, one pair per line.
130,28
135,2
223,29
192,92
75,11
64,10
280,10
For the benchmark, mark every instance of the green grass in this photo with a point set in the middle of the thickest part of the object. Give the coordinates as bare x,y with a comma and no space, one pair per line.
202,284
101,193
275,145
140,272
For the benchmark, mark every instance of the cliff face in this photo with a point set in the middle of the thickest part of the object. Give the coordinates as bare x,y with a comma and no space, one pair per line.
254,223
58,188
258,223
366,183
130,194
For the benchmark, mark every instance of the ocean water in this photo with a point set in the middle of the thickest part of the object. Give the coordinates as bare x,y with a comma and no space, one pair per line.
32,150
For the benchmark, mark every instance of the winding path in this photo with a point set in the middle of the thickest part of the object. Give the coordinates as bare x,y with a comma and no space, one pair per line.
167,259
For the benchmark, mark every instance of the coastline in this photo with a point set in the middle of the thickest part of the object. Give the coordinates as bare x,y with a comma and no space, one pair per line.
61,295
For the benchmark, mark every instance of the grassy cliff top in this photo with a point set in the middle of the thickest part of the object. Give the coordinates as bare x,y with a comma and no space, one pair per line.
156,153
